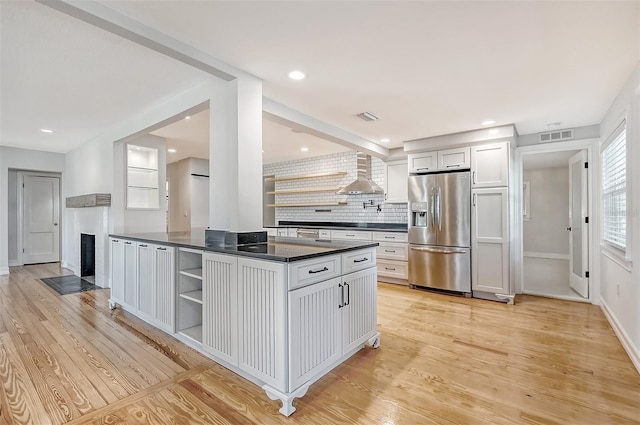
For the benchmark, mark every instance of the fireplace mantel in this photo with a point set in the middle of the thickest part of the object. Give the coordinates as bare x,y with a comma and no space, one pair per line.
90,200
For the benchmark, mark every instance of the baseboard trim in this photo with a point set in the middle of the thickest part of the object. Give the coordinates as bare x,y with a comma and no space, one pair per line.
548,255
13,263
4,270
68,266
627,344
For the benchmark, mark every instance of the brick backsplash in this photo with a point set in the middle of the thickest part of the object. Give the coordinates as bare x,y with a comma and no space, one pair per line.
352,212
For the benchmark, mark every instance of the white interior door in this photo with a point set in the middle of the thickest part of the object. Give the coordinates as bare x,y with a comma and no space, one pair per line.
579,232
41,219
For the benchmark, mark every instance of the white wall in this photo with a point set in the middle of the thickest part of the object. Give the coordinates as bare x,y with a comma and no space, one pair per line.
352,212
188,195
620,287
546,231
28,160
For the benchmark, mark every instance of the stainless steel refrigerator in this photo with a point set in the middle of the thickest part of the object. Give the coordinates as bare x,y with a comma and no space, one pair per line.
440,231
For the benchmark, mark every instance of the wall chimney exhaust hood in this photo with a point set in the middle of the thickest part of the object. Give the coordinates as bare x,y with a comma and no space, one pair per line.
363,184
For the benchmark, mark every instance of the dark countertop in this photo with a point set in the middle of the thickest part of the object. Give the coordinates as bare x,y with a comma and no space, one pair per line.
278,248
380,227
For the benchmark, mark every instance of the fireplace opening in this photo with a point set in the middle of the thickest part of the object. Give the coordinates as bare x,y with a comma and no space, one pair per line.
87,256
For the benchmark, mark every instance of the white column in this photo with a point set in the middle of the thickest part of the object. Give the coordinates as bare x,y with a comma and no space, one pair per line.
235,156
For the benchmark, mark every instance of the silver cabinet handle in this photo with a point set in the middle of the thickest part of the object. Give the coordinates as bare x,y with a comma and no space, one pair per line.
350,236
440,251
390,250
389,237
127,242
390,268
346,285
143,245
161,248
473,177
341,296
453,166
55,224
474,199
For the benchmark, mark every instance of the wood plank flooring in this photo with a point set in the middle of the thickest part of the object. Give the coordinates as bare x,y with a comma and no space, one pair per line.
443,360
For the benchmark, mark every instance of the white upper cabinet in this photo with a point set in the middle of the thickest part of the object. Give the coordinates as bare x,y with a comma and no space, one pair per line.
490,165
423,162
395,180
454,159
443,160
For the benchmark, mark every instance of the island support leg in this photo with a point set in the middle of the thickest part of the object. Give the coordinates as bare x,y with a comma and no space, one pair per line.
286,398
374,341
112,304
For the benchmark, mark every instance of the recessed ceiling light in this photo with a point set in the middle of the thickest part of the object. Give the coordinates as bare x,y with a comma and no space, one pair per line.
46,130
171,150
297,75
385,140
188,117
304,149
488,122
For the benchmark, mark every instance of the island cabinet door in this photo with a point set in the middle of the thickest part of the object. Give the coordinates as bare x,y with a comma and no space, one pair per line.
165,288
146,281
117,270
130,300
262,325
359,314
220,306
315,341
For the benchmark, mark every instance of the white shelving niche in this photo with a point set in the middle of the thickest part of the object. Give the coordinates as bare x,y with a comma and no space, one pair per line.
142,178
189,289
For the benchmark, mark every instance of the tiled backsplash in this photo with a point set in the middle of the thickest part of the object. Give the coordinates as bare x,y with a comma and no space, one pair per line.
352,212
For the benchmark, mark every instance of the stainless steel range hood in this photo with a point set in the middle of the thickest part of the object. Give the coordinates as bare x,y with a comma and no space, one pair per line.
363,184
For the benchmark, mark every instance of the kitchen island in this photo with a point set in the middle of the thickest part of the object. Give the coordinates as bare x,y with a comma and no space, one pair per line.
281,314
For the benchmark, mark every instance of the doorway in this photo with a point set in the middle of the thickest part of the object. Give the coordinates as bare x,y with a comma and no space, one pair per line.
38,217
555,224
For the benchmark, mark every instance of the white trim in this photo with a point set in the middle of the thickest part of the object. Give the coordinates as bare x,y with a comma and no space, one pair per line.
68,266
576,298
14,263
627,344
615,257
594,200
526,201
4,270
548,255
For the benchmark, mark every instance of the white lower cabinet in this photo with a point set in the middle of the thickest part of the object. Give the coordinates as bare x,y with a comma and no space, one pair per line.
315,338
220,306
143,281
164,314
490,241
392,256
328,320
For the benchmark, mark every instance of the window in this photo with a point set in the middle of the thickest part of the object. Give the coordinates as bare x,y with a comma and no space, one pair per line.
614,190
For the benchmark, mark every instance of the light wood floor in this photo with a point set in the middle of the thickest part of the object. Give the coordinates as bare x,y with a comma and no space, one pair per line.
443,360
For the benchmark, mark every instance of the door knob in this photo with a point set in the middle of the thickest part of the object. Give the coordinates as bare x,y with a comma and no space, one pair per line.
568,229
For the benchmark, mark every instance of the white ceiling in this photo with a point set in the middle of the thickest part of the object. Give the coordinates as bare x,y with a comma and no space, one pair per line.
425,68
190,139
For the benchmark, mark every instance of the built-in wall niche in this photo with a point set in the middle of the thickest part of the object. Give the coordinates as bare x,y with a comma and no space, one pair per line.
142,178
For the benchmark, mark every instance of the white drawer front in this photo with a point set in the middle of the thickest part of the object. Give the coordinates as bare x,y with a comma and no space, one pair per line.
354,235
390,237
393,251
358,260
324,234
390,268
306,272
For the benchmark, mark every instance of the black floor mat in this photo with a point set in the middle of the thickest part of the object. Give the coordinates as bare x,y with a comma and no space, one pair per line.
65,285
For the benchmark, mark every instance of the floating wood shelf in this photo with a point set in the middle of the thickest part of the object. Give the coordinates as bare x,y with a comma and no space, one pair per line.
308,204
303,190
305,176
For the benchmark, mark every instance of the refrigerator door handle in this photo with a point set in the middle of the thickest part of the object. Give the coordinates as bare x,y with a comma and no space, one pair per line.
433,211
440,250
439,209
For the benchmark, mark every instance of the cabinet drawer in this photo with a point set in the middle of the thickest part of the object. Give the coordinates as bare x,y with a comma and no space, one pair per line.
390,268
351,235
358,260
390,237
392,251
324,234
302,273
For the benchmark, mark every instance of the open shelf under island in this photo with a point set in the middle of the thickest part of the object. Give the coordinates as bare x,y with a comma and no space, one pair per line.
281,314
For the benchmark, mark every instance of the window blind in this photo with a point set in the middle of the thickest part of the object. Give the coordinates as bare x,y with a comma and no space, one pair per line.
614,189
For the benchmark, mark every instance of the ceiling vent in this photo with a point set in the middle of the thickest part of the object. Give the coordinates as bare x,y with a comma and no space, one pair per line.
367,116
555,136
